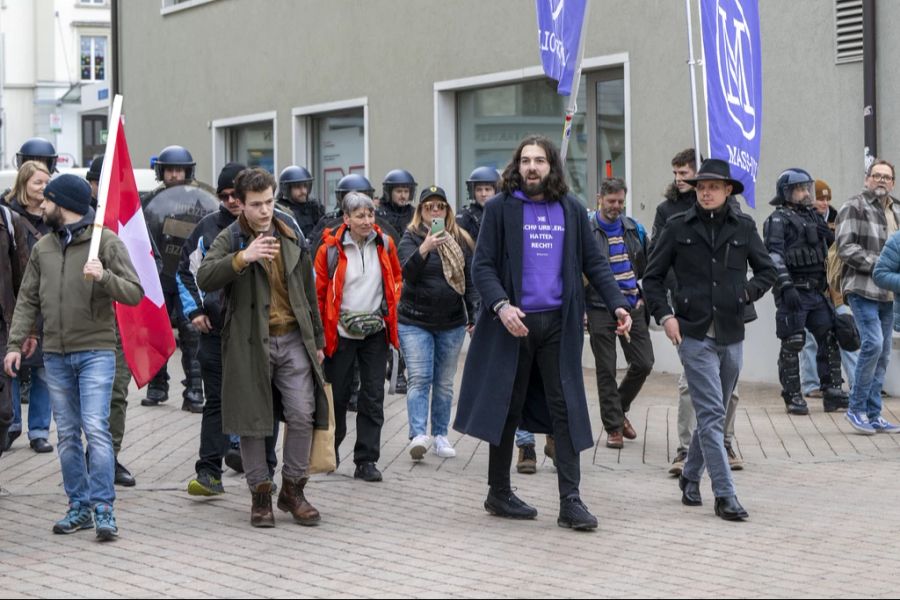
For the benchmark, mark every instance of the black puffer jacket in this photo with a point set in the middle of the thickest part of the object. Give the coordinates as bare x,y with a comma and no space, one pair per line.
398,216
427,300
307,214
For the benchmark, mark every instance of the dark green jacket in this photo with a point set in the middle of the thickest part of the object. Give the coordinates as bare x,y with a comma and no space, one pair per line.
78,314
247,405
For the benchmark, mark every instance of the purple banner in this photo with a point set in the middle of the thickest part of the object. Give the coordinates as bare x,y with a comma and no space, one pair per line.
731,55
559,33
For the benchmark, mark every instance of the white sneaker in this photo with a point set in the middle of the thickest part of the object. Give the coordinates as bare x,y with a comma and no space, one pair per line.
419,446
443,448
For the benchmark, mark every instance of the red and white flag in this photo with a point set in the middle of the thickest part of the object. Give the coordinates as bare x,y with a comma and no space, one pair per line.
145,329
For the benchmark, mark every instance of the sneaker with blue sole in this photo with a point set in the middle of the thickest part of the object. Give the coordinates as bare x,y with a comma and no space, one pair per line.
78,517
105,521
883,426
860,422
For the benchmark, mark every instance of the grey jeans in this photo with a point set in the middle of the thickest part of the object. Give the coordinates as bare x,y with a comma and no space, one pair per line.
687,419
712,371
292,373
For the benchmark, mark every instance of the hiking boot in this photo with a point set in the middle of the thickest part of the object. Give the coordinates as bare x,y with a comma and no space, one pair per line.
835,399
527,463
550,449
77,517
205,484
678,464
105,523
507,505
292,500
575,515
734,461
261,505
796,405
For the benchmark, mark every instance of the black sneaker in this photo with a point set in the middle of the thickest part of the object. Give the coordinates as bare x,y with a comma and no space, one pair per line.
575,515
367,472
507,505
205,485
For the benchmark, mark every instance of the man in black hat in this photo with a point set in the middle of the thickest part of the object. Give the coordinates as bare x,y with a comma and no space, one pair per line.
709,247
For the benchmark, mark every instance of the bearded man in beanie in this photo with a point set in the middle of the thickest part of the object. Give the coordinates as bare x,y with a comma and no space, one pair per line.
75,297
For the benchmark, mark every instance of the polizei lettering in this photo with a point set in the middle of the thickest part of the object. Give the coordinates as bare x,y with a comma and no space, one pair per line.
550,43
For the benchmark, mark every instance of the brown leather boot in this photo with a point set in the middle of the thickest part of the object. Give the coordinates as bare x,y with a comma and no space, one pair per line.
292,500
261,507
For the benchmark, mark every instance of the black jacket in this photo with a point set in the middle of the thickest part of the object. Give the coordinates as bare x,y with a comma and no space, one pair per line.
711,273
470,218
307,214
427,300
398,216
193,302
637,255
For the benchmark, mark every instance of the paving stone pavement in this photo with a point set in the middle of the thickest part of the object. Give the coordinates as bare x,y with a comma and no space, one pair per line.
822,503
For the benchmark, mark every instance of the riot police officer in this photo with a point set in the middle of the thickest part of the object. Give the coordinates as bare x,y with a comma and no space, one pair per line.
481,186
354,182
294,188
172,211
398,190
38,149
797,240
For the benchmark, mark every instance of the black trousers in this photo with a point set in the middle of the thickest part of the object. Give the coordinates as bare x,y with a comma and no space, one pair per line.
540,349
371,355
213,442
615,400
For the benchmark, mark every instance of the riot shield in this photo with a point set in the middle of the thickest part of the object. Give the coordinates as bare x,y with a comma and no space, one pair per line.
171,215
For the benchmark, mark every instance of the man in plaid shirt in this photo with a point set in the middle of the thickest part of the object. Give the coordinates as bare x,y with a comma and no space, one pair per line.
864,224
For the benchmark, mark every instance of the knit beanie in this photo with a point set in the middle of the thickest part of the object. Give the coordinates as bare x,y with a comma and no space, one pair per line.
226,177
70,192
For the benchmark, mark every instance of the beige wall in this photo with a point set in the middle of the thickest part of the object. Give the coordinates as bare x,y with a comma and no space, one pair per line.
235,57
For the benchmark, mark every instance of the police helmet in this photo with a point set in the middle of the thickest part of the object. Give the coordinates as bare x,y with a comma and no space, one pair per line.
93,173
790,178
398,178
291,175
481,175
354,182
175,156
37,149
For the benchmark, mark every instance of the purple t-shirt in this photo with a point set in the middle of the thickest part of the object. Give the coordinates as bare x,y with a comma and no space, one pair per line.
543,235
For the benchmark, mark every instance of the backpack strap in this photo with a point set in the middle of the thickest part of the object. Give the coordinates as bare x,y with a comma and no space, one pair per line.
10,230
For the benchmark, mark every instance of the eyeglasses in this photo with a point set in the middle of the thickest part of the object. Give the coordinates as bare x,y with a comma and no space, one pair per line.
434,206
882,178
224,196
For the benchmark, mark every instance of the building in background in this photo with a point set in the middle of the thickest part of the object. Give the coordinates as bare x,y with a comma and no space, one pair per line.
54,76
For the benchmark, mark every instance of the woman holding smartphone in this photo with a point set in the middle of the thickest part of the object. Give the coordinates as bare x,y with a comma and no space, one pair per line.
436,309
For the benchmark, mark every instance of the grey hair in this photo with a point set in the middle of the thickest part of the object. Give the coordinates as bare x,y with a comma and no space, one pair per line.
612,185
353,201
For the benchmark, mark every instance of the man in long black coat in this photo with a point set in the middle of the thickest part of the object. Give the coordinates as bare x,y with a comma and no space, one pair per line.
524,363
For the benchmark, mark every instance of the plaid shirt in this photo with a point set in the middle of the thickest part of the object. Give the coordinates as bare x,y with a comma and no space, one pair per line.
861,234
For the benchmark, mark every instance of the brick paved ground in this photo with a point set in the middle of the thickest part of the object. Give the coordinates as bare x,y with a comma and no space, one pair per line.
822,501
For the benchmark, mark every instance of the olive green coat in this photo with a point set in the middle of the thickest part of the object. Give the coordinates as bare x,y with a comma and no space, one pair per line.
247,403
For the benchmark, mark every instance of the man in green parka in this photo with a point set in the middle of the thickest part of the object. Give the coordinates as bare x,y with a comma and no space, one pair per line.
272,335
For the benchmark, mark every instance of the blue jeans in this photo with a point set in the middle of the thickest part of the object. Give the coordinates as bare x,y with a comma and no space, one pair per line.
875,321
524,438
81,388
712,371
431,360
897,314
38,405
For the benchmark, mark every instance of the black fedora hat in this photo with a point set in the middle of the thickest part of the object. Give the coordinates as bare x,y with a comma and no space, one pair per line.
717,170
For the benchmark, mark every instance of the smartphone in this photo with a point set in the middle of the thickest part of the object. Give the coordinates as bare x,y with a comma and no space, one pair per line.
437,225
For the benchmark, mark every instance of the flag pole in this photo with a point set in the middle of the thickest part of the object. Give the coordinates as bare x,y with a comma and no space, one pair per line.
692,64
576,83
105,175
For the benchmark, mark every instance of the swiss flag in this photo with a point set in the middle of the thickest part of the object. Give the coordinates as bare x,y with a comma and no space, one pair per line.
145,330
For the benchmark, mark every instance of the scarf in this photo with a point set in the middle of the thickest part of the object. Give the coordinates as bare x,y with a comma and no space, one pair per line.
454,263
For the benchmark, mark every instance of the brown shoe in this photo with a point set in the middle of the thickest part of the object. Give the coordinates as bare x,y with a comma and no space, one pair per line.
550,449
293,500
527,463
261,507
628,431
614,440
734,461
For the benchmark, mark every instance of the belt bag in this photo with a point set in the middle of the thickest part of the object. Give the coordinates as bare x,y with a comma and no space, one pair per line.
362,323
